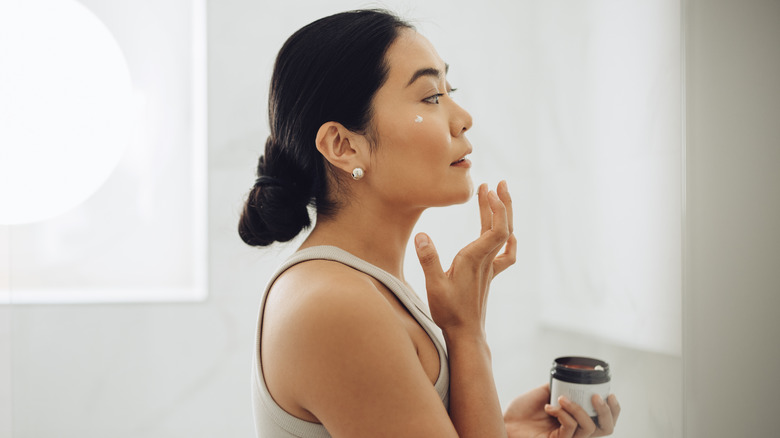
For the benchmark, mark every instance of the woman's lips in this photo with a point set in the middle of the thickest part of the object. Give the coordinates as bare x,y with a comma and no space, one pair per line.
463,162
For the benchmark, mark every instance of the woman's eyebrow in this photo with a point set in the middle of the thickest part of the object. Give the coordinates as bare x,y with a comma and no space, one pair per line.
428,71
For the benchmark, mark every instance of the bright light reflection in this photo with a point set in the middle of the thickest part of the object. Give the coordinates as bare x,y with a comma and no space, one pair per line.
65,107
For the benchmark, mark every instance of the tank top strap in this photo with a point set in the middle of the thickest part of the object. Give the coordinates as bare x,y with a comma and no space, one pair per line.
404,293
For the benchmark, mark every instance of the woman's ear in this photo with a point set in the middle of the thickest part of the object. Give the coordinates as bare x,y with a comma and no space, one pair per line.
341,147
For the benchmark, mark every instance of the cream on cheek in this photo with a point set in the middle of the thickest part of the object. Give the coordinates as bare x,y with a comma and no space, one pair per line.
413,149
412,134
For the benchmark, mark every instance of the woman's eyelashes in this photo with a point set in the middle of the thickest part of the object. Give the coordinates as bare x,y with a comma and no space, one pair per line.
434,99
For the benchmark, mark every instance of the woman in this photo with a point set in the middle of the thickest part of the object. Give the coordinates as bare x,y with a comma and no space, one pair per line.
364,131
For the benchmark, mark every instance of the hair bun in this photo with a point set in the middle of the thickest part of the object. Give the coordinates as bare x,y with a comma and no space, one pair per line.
275,211
268,181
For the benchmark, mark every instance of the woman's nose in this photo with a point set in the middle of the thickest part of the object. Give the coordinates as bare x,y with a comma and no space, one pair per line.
460,121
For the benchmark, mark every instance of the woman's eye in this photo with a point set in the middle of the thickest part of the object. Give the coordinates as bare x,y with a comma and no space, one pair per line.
433,99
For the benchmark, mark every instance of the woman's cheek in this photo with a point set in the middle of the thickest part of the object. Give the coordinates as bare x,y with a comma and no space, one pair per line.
435,132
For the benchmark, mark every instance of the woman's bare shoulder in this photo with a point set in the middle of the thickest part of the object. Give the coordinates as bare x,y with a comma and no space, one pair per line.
314,280
331,342
316,298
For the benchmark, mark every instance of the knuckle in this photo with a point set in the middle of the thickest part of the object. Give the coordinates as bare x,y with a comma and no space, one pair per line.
502,234
568,422
427,258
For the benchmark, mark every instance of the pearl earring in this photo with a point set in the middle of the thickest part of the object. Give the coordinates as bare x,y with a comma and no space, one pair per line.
357,173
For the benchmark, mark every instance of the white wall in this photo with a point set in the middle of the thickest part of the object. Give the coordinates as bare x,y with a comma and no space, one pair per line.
182,369
732,222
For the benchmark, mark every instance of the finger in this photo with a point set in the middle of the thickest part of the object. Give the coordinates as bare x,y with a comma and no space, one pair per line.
614,406
429,258
503,194
507,258
586,426
567,422
499,212
490,241
606,421
485,215
500,230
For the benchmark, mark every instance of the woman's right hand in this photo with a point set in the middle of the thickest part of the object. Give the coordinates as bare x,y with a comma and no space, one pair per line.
530,415
458,297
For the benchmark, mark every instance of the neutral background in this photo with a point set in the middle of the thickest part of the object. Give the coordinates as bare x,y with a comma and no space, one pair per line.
169,370
732,220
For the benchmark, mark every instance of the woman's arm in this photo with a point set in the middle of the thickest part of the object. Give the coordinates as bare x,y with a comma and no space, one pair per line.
458,300
474,407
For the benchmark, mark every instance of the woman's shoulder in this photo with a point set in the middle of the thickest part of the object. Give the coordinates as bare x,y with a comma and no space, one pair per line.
313,278
321,289
319,314
331,341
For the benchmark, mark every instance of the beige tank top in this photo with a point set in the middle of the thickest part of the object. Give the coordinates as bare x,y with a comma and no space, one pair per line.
271,421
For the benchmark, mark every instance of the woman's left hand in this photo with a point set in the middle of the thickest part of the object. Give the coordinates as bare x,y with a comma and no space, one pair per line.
458,297
530,416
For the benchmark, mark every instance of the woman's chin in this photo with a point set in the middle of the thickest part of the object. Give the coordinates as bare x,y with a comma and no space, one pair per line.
462,196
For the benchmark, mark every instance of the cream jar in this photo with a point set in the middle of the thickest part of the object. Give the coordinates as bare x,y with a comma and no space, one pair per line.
578,379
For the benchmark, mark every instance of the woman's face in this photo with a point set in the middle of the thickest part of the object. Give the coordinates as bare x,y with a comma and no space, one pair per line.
419,131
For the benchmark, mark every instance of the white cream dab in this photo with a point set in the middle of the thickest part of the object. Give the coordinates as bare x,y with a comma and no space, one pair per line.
418,119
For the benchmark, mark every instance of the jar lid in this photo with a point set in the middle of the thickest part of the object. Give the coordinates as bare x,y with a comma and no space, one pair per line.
577,369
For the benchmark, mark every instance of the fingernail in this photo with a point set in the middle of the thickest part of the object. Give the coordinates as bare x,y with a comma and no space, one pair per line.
421,240
599,400
562,399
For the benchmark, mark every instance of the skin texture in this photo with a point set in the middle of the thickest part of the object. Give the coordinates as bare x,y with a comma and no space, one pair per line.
362,364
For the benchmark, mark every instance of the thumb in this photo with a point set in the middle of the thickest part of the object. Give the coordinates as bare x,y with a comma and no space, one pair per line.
429,258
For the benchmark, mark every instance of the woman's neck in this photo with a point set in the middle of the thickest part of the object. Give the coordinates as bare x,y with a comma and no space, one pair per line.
378,235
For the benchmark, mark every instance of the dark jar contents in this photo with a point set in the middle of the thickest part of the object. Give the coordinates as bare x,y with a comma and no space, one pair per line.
579,378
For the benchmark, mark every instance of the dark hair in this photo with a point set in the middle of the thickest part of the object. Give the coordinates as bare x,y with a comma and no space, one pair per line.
329,70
